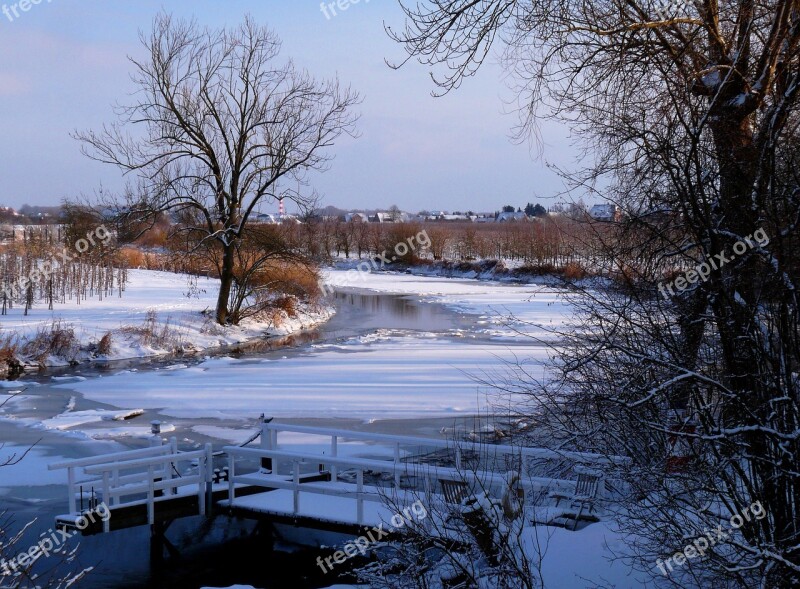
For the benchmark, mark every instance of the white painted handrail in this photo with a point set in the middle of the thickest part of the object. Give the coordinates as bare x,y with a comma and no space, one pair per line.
152,474
391,440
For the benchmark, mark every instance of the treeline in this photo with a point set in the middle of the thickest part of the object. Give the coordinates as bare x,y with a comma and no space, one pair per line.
545,242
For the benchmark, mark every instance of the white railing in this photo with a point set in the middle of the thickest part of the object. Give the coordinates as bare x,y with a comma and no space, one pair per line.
123,478
270,431
270,456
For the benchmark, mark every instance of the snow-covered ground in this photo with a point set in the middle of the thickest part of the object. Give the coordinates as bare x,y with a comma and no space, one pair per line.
177,306
379,376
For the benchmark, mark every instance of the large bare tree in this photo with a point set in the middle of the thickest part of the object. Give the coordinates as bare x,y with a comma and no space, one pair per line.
688,113
218,127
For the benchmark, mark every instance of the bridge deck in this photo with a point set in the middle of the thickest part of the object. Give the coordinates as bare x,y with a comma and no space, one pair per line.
325,508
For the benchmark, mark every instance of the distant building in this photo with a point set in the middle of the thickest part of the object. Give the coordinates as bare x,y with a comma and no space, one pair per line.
605,212
391,217
506,217
356,217
265,218
269,219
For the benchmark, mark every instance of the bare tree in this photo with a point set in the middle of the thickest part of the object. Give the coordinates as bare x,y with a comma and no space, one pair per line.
690,121
222,127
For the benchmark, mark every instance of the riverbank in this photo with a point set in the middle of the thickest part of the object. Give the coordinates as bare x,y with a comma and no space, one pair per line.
158,314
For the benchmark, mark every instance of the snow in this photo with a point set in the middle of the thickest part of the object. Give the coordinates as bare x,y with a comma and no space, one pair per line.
71,419
134,431
325,508
389,373
31,471
572,559
560,568
386,375
165,294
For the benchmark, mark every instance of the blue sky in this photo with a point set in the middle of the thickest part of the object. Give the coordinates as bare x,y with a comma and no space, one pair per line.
63,63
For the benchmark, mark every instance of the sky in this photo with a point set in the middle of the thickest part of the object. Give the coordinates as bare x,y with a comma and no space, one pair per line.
64,64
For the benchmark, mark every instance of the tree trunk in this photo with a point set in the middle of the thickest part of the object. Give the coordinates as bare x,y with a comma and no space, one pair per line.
225,284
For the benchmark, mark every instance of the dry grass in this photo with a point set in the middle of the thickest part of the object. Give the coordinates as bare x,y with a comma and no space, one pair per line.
211,327
9,346
133,258
104,345
58,341
151,334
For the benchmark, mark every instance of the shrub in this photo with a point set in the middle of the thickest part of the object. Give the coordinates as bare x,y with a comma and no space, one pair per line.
288,304
104,345
289,278
133,258
152,335
574,271
58,341
8,348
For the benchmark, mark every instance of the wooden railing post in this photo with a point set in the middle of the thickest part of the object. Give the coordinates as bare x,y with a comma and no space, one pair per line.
107,490
155,429
202,467
209,485
231,476
266,442
151,497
